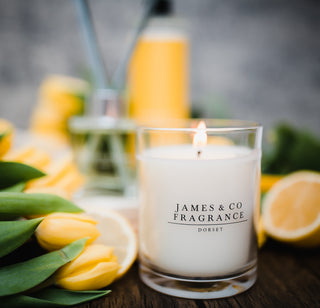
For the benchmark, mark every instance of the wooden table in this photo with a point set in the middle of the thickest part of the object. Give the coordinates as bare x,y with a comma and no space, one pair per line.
288,277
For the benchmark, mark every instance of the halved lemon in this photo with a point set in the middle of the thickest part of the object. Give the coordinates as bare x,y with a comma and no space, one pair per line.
261,233
268,180
291,209
117,232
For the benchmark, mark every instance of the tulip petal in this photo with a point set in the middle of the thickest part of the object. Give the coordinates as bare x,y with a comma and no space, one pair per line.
77,217
97,277
91,255
22,276
58,230
14,233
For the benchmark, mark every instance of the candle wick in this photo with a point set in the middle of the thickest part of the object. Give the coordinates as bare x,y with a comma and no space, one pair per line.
199,153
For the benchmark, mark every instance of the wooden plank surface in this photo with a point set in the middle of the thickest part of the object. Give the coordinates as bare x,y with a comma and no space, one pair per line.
287,277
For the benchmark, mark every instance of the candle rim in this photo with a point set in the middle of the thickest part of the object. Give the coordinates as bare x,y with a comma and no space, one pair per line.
212,125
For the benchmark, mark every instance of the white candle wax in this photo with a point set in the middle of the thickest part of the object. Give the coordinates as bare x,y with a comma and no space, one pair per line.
196,216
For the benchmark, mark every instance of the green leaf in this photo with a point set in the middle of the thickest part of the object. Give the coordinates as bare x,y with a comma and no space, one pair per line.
51,297
13,173
292,149
16,188
22,276
23,301
67,297
18,203
14,233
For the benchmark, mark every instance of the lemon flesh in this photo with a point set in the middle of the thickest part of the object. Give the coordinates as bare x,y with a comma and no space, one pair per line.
291,211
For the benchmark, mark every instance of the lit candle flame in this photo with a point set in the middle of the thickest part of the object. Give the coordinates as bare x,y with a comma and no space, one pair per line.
200,137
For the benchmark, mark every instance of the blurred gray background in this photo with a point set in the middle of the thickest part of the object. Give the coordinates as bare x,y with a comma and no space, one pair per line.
257,60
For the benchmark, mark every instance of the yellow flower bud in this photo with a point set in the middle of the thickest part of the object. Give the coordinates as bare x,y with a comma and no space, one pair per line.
95,268
60,229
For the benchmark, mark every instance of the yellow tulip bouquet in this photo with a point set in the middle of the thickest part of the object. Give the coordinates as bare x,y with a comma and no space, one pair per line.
69,268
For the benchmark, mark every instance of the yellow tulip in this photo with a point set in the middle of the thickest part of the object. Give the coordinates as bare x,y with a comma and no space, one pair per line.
60,229
6,133
95,268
